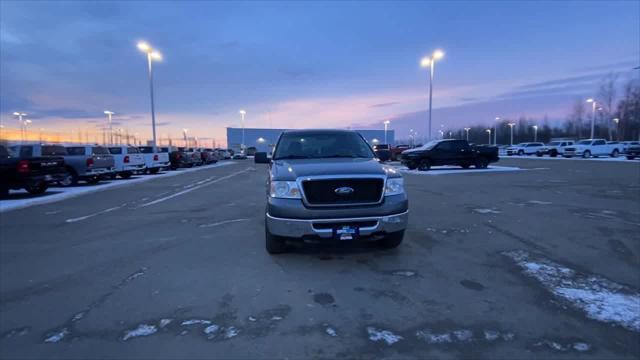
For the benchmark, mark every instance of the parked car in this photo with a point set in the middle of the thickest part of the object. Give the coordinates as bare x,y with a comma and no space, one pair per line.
89,163
239,156
527,148
209,156
223,154
154,161
632,151
382,151
449,152
179,158
554,148
592,147
251,151
397,150
128,160
196,158
32,173
627,144
331,187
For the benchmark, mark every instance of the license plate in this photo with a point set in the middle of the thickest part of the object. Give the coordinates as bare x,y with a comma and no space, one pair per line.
346,233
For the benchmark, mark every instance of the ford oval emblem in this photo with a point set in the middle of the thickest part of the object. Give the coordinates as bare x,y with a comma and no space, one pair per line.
343,191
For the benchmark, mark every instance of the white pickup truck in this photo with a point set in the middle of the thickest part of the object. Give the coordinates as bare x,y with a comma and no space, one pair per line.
128,160
154,160
592,147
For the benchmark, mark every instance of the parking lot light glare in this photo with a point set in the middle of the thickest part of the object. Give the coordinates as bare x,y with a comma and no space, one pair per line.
144,47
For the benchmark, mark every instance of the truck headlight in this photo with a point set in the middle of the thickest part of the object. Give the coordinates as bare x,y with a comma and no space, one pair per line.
395,186
284,190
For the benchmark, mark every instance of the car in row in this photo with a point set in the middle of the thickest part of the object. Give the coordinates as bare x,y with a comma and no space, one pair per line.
34,174
449,152
570,148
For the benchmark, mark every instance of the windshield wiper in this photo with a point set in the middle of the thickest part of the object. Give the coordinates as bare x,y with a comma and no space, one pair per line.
289,157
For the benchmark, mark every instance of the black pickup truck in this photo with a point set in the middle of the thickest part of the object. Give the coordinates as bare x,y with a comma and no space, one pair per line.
33,174
449,152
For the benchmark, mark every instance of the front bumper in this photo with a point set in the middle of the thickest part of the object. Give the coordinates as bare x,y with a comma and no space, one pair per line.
323,228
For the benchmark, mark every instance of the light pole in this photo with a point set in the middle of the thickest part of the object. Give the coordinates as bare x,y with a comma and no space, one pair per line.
151,55
109,114
242,114
511,125
429,61
26,129
184,135
593,115
20,115
489,133
41,130
386,125
495,132
617,121
535,133
441,134
467,131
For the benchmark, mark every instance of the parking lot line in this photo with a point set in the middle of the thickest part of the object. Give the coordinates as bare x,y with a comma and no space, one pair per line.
193,188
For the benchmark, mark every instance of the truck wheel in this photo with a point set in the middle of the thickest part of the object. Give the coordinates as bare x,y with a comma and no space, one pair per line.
125,175
71,179
520,152
630,157
274,244
154,170
424,165
37,189
615,153
465,166
586,154
411,166
482,163
392,240
4,192
553,153
538,154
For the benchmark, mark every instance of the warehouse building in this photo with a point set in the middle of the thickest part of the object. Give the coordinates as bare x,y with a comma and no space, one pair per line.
265,139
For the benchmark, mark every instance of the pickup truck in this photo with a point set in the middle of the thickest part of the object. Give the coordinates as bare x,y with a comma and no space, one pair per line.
527,148
33,173
632,151
449,152
592,147
554,148
128,160
154,161
382,151
327,185
82,162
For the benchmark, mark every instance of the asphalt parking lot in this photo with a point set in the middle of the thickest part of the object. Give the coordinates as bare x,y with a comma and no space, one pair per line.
176,268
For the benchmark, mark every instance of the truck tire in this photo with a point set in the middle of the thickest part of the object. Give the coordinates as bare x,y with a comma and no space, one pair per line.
538,154
553,153
71,179
615,153
630,157
586,154
520,152
392,240
424,165
37,189
126,174
4,192
154,170
482,163
411,166
466,166
274,244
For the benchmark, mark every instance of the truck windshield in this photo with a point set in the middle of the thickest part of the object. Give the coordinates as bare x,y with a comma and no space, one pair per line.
584,142
430,145
315,145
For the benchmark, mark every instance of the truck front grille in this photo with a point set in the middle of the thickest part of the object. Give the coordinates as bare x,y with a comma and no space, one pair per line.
323,191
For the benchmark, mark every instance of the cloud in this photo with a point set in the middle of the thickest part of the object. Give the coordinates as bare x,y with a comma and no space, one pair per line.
386,104
163,123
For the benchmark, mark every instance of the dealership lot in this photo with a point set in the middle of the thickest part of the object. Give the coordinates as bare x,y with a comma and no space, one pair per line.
497,264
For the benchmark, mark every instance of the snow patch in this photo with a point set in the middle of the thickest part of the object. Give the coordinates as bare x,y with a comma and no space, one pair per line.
231,332
405,273
599,298
195,322
486,211
446,170
331,332
141,330
222,223
57,337
383,335
165,322
538,202
211,331
431,338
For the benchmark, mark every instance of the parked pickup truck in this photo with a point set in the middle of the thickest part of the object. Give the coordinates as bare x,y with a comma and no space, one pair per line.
592,147
128,160
449,152
32,173
154,161
528,148
554,148
382,151
632,151
327,185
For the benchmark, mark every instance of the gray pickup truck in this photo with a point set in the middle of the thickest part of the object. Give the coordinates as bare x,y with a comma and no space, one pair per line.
87,162
327,185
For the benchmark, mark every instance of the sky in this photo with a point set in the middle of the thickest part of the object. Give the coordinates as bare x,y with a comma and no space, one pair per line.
306,64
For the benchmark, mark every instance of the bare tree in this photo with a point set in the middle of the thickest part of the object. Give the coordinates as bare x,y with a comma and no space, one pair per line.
577,116
606,98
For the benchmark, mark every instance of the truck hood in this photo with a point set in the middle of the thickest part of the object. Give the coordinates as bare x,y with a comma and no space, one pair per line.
290,170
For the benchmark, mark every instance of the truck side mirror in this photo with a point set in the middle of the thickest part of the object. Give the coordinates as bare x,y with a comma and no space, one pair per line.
261,158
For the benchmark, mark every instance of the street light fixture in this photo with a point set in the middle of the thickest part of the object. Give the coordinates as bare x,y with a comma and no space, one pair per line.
511,125
429,61
495,132
535,133
152,54
593,115
184,135
20,115
26,129
109,114
386,125
242,114
617,121
489,133
467,131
